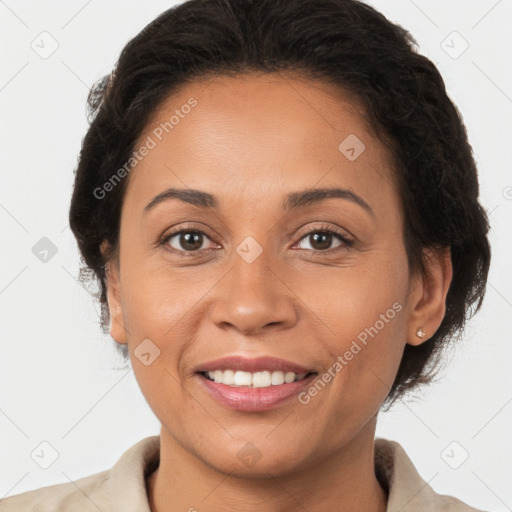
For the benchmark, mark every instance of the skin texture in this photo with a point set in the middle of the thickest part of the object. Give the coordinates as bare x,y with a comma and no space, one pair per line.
251,140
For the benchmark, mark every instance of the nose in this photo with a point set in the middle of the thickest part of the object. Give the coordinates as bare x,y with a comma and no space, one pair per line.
254,297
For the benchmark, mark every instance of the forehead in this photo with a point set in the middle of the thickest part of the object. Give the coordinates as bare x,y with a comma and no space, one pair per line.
259,133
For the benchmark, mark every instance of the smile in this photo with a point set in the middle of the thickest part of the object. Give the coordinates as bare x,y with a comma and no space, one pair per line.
261,379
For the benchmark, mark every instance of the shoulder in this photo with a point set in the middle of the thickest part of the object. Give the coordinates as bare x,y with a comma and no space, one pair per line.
123,487
408,491
85,494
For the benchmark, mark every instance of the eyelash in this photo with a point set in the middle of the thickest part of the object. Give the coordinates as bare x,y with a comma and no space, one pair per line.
347,242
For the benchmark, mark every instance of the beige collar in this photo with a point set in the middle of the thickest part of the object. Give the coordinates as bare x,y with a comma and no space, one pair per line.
408,491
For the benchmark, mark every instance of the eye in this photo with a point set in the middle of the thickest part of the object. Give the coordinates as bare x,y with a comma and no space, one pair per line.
195,241
321,239
186,240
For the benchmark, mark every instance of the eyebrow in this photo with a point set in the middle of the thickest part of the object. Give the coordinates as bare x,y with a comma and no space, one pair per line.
293,201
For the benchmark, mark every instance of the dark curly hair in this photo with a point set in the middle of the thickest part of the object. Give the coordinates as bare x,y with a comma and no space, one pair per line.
343,42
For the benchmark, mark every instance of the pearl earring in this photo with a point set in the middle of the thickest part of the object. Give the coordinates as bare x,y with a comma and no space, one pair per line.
420,333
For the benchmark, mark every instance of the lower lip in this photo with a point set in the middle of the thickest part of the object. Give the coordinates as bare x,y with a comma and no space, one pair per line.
250,399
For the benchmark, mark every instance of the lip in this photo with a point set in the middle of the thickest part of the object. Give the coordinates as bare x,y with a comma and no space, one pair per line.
249,399
257,364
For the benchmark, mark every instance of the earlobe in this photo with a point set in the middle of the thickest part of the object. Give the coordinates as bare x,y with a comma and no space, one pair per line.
428,299
420,333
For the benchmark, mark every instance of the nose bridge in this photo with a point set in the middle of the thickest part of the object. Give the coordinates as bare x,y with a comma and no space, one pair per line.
252,294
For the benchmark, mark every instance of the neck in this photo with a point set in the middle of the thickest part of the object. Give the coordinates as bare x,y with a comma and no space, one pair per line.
344,481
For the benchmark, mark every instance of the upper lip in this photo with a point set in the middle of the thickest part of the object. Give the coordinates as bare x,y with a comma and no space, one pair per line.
252,365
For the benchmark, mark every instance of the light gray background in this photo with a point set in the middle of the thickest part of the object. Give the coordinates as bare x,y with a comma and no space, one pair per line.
61,380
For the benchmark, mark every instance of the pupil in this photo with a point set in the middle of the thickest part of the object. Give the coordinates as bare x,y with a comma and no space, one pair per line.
323,240
190,240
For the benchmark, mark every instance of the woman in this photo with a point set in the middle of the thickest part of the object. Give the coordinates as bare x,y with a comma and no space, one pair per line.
280,204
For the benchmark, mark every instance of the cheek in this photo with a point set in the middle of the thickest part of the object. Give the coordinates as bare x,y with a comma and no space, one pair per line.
353,299
157,299
158,310
164,306
364,309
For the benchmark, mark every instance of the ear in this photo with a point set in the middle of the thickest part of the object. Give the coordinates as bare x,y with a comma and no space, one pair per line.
428,296
117,329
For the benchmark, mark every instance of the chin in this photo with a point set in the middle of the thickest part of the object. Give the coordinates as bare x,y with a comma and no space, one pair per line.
245,459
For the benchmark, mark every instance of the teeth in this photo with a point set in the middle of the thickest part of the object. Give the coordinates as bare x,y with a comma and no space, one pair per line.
257,379
277,378
243,379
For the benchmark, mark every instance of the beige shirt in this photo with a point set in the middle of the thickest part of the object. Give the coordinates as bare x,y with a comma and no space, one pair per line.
123,488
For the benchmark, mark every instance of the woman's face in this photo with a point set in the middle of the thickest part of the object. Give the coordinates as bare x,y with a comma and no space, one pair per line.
254,273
